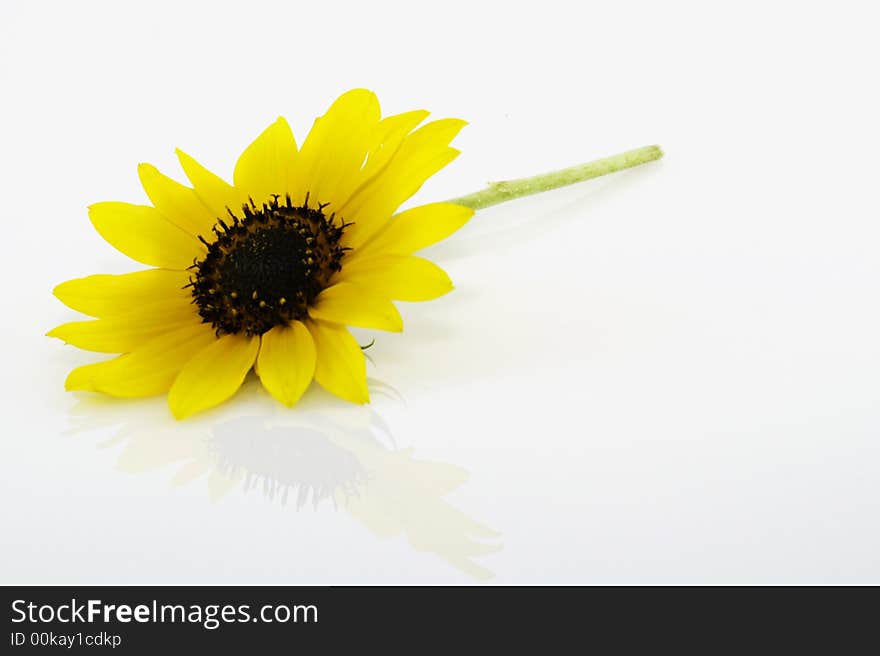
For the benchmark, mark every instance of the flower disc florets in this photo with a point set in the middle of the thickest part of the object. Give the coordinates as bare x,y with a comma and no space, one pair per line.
265,268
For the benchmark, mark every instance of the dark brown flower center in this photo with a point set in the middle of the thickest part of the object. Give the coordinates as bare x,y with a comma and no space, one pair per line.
265,268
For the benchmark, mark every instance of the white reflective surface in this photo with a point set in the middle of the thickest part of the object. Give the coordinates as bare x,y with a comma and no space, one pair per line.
666,376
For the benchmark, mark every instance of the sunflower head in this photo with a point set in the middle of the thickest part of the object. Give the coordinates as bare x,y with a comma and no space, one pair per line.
267,272
267,268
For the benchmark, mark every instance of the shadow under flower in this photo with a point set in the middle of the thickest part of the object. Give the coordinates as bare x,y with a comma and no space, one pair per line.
320,454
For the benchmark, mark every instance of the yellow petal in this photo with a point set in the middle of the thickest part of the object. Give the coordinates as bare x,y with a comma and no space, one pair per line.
177,203
416,229
264,167
125,332
145,235
422,154
213,375
106,295
149,369
334,151
351,305
217,194
286,363
400,277
388,137
341,368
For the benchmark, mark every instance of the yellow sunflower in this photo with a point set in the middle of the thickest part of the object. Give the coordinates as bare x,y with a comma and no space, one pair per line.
266,273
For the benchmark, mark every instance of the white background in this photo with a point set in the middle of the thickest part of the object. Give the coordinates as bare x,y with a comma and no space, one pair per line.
670,375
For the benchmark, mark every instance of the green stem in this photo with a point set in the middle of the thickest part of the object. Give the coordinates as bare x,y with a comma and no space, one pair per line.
499,192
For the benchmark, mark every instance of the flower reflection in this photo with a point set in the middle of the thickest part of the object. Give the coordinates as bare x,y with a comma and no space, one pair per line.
324,454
